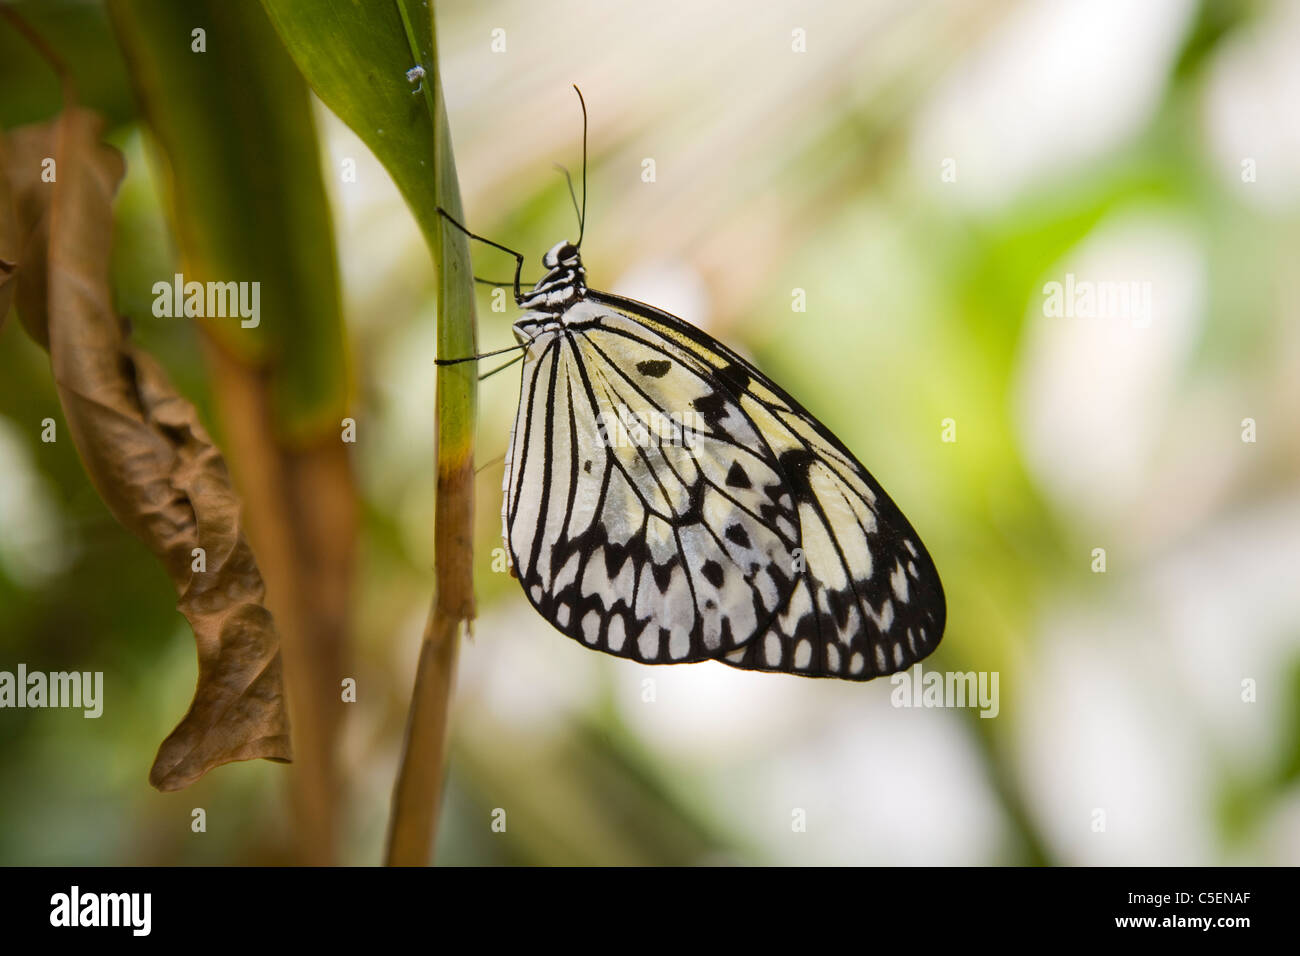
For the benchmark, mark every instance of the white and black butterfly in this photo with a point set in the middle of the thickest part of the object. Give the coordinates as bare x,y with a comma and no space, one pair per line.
667,502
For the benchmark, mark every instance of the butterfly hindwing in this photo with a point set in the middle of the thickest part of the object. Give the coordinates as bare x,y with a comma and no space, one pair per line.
637,525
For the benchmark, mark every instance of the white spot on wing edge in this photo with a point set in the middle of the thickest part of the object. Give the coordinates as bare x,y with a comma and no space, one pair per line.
803,654
591,627
617,633
772,650
898,580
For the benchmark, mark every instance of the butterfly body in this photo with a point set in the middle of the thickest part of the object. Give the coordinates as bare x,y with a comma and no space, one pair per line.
666,502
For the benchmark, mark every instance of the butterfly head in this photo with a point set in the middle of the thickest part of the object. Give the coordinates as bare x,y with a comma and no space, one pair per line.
564,254
565,281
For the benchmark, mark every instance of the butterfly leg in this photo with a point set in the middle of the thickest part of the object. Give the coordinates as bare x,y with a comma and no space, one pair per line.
475,358
500,368
519,256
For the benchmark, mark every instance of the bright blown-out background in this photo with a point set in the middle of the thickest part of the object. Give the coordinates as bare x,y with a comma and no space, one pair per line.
1102,139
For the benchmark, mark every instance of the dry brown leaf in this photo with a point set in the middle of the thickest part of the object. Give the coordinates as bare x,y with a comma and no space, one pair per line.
145,450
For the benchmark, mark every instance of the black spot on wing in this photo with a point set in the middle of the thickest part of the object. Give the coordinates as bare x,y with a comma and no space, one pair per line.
712,407
712,572
795,464
736,376
655,368
736,477
663,574
736,534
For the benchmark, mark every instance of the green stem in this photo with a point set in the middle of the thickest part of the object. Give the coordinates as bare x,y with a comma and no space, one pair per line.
418,794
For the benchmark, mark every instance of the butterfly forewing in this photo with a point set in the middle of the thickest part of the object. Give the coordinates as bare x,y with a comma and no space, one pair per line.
869,601
667,502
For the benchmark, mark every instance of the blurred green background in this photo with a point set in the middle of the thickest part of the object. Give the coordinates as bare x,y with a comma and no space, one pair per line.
921,171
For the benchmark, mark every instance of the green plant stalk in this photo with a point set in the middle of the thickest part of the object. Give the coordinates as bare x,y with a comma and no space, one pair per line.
418,794
355,56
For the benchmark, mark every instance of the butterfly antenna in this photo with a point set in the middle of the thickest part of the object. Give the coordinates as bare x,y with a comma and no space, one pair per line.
572,195
519,256
582,216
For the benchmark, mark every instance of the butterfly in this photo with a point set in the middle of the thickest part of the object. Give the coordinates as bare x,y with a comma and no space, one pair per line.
667,502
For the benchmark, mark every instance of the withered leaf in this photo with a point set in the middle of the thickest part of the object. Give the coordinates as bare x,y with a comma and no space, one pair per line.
145,450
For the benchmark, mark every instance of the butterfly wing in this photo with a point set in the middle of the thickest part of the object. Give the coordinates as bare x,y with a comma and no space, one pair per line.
758,539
